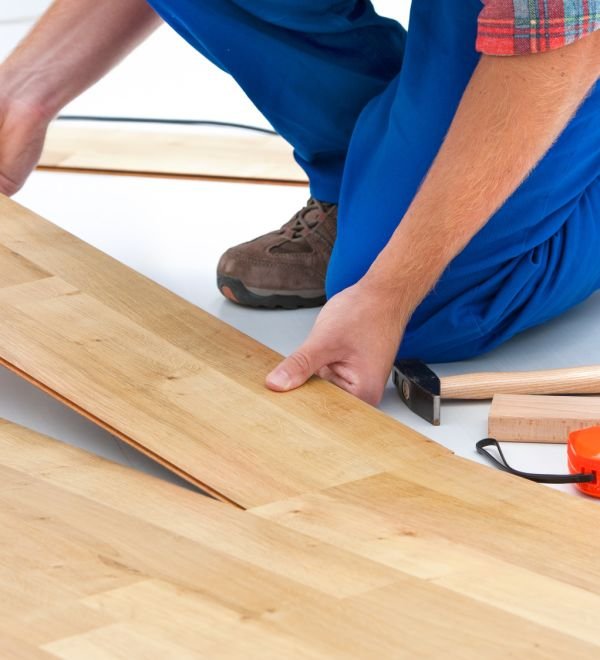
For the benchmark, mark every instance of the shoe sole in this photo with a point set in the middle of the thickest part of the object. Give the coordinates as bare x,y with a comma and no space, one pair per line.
235,290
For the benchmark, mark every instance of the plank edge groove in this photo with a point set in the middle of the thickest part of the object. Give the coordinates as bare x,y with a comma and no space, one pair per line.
113,431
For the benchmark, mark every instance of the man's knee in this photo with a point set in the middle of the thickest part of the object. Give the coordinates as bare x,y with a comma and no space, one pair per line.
445,343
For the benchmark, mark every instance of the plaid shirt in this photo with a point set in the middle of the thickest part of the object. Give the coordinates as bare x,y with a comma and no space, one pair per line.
516,27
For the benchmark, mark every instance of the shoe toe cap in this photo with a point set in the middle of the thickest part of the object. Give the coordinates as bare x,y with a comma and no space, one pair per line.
229,264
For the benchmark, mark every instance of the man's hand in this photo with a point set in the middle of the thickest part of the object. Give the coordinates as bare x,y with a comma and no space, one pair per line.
511,112
353,345
22,134
73,45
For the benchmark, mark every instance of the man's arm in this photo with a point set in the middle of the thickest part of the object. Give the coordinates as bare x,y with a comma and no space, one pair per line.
511,113
74,44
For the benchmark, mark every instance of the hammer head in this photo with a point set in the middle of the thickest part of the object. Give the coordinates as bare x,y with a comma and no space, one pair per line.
419,388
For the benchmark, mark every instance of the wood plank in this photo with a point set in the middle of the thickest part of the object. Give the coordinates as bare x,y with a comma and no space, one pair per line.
116,643
202,153
15,270
82,535
530,418
100,561
19,650
248,539
520,564
366,538
177,383
389,512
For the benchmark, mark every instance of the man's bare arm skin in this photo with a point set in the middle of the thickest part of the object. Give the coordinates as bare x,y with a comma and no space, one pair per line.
73,45
511,113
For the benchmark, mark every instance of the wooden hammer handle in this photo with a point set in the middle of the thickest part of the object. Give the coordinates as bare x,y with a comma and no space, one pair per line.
577,380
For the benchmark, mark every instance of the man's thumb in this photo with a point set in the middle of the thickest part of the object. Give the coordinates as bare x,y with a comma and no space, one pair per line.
293,371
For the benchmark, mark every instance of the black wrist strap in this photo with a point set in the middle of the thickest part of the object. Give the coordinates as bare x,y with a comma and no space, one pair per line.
539,478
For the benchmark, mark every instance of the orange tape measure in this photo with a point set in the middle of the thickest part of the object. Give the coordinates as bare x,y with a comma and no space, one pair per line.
583,451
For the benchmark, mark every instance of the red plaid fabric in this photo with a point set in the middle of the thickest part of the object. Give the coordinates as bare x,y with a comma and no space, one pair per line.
515,27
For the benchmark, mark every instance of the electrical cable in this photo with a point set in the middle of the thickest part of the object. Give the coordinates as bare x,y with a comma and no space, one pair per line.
170,122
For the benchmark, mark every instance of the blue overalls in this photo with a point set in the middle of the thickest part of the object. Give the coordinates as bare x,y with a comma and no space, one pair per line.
366,106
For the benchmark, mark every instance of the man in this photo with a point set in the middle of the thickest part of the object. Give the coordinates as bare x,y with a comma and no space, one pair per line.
462,160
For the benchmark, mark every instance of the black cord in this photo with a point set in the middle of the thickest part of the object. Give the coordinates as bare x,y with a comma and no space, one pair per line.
170,122
539,478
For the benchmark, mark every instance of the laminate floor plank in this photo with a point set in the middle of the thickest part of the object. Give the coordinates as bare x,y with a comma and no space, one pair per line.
78,532
116,642
196,152
361,536
177,383
99,561
518,567
16,649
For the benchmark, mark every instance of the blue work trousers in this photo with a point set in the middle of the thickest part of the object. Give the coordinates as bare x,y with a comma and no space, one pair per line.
366,106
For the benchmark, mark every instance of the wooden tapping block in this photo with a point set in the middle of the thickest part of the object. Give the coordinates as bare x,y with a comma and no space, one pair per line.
175,382
530,418
99,560
191,152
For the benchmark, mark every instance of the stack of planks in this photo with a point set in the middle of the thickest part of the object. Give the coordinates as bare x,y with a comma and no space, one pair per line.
360,537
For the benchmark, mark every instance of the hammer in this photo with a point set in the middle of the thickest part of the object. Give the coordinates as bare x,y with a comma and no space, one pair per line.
422,390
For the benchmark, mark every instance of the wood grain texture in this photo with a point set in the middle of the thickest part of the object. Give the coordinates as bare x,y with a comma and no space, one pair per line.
99,561
174,381
522,418
204,153
576,380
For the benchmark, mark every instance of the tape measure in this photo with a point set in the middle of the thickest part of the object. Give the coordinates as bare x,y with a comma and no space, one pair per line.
583,451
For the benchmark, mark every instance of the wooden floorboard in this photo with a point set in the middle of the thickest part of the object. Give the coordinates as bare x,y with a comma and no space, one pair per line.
203,153
97,560
173,380
362,538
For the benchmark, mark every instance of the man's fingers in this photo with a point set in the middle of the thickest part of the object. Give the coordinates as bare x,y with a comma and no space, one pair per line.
369,391
8,187
293,371
328,374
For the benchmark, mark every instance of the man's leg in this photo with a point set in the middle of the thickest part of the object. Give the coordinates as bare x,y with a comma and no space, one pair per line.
536,258
310,66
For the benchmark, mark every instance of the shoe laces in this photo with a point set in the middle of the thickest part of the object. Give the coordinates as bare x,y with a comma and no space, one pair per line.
302,223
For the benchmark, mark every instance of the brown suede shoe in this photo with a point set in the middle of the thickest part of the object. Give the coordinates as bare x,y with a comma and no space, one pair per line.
284,268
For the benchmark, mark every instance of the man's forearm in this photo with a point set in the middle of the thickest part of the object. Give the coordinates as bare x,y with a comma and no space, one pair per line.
73,45
510,115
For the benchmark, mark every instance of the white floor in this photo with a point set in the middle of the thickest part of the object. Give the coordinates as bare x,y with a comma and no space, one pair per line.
174,232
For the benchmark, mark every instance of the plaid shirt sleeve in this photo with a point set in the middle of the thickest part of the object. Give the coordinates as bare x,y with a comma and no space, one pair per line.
516,27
